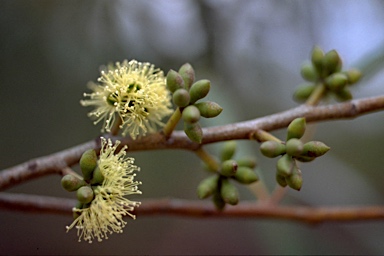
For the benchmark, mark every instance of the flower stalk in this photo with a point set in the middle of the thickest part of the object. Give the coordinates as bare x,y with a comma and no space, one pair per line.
170,126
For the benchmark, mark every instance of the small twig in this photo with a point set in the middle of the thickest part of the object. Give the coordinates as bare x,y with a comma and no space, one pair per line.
199,209
172,122
277,194
208,159
262,136
316,95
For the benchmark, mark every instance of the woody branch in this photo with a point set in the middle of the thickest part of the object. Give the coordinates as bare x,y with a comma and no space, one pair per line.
198,209
57,163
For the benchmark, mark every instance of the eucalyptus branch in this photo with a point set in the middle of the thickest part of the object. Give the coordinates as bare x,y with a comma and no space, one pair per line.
55,163
199,209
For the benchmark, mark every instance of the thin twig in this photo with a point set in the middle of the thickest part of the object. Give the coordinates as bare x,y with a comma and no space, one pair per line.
199,209
178,140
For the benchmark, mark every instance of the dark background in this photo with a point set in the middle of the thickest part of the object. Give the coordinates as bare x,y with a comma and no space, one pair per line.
252,52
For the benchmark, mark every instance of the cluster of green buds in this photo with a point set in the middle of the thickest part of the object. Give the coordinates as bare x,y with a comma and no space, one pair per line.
92,177
219,185
325,70
291,151
186,92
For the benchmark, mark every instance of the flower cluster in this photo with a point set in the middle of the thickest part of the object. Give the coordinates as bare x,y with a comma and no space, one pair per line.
291,151
132,94
104,213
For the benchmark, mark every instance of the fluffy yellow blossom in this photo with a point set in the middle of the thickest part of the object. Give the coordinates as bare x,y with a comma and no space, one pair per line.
133,92
104,215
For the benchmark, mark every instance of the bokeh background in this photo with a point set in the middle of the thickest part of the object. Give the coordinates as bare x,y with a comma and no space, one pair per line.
252,52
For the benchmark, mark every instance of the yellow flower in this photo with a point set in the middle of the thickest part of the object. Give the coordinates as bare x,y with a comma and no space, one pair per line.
132,91
106,211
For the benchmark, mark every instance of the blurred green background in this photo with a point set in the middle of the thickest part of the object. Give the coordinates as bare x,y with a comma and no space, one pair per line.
252,52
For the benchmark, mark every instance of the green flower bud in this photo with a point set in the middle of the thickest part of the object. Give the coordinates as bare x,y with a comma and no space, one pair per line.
281,180
228,168
181,97
303,91
308,72
72,183
191,114
188,74
295,180
305,159
193,131
97,177
336,81
228,150
247,161
218,201
272,148
174,81
353,75
317,59
285,165
88,163
294,147
229,192
85,194
296,128
209,109
246,175
207,186
344,94
332,62
199,90
315,149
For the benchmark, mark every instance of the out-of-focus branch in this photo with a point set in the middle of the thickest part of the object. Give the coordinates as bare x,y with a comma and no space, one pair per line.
34,168
178,140
199,209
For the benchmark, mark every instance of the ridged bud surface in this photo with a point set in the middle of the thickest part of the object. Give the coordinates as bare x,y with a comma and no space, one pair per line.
209,109
193,131
191,114
85,194
181,97
97,177
317,56
332,62
308,72
188,74
296,128
229,192
199,90
285,165
72,183
207,187
336,81
228,150
247,161
354,75
303,92
88,163
295,180
315,149
228,168
174,81
272,148
246,175
294,147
